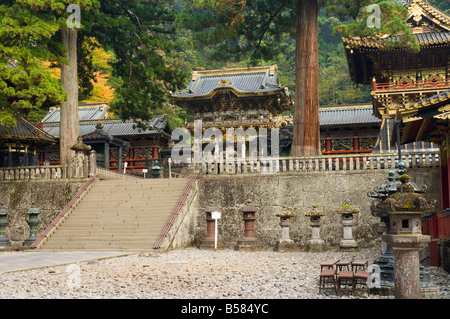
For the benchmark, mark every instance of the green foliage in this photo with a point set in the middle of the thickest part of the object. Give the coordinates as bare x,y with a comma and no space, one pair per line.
28,40
146,66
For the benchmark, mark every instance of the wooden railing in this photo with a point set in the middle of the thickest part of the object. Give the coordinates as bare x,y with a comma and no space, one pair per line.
318,163
412,85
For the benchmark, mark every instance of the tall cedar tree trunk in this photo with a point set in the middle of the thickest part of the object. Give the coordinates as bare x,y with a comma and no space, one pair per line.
68,129
306,139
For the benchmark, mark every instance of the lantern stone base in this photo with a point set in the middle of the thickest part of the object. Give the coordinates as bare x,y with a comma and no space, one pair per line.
316,245
285,245
208,244
248,245
348,245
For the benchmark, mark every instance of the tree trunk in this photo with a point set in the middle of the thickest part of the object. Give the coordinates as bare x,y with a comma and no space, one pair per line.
69,122
306,130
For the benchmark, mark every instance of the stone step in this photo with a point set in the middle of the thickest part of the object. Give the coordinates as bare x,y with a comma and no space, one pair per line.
135,246
118,211
118,215
105,234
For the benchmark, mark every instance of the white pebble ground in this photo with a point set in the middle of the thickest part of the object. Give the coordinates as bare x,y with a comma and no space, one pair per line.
191,273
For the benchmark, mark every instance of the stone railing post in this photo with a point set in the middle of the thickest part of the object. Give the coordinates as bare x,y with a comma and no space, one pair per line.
92,163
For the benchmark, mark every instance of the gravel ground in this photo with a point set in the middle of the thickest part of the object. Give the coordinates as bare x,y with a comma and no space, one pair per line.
191,274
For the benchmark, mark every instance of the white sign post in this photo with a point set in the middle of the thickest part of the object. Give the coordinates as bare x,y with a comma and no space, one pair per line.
125,168
144,171
215,215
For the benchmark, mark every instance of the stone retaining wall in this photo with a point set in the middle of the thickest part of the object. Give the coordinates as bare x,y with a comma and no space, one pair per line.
300,191
51,196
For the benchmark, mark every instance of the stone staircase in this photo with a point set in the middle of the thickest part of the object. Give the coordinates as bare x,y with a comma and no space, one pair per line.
118,215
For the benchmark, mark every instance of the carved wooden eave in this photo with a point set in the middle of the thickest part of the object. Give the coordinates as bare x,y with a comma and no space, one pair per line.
421,13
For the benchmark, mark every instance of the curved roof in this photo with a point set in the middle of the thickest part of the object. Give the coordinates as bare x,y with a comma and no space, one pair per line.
26,131
243,81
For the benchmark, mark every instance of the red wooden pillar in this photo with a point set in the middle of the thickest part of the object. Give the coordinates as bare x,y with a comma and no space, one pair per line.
131,155
155,152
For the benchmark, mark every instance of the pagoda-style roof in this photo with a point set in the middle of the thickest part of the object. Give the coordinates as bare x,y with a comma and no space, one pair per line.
421,121
429,26
241,83
25,132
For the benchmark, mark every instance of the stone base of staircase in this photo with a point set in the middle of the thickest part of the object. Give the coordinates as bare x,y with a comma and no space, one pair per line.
118,215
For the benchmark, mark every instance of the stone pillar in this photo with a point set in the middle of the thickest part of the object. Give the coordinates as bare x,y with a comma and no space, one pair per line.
4,241
405,208
347,211
315,243
249,241
80,148
33,222
285,243
209,240
92,163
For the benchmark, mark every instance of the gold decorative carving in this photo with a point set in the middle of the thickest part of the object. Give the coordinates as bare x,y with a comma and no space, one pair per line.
224,82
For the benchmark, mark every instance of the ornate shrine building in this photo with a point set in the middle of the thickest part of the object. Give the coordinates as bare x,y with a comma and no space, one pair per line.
19,145
235,98
116,141
399,76
428,120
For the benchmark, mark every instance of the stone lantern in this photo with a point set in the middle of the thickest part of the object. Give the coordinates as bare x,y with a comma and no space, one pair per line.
315,243
249,241
405,208
208,241
4,241
33,222
285,243
380,193
347,211
156,170
80,148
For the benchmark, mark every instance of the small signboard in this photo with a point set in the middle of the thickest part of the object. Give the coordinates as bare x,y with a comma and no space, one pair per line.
215,215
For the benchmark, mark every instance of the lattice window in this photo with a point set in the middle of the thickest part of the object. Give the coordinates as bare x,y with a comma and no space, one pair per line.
342,145
366,143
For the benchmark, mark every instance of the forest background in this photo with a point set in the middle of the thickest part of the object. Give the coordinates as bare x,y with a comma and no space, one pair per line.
102,77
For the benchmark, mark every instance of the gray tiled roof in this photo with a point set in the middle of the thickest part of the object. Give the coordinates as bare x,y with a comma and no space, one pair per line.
427,37
24,130
113,127
346,115
86,112
258,81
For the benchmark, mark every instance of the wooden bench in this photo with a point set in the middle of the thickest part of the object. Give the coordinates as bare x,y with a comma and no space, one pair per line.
359,265
343,265
327,276
360,278
345,278
328,264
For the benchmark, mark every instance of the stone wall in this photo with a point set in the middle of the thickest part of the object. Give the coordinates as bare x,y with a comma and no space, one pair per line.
182,233
51,196
300,191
